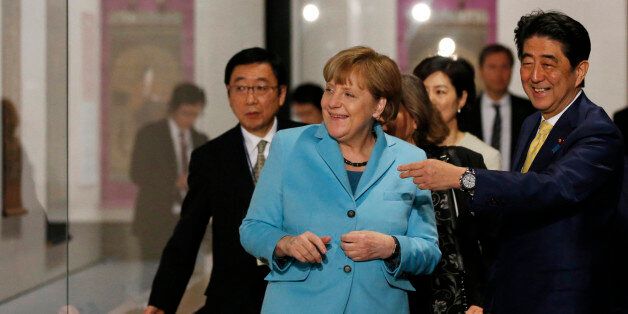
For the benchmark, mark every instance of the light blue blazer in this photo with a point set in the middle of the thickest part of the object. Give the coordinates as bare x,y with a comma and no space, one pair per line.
304,187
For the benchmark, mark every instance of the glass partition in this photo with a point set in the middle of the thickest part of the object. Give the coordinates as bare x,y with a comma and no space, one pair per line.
34,227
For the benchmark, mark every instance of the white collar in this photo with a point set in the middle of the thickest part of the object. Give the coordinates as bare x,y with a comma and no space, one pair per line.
251,140
555,118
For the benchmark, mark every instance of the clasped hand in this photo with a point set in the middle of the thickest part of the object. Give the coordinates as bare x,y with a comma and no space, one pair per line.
357,245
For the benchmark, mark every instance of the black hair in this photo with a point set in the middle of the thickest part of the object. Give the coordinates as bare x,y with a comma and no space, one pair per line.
576,44
257,55
496,48
459,71
186,93
308,93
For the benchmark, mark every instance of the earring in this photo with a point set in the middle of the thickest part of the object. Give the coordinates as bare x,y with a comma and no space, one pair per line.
458,110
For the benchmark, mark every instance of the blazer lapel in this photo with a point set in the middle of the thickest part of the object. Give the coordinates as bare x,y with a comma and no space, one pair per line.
329,151
240,161
381,159
529,130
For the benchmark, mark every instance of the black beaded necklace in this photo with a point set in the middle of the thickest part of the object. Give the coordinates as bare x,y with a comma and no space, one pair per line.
355,164
359,164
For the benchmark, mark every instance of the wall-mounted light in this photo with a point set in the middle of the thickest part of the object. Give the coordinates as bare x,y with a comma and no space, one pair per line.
446,47
421,12
310,12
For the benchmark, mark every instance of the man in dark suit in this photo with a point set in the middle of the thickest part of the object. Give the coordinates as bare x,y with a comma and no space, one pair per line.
558,206
222,178
496,115
159,168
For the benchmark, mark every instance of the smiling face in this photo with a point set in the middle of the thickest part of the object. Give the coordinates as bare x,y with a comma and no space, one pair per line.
547,77
255,108
443,96
349,110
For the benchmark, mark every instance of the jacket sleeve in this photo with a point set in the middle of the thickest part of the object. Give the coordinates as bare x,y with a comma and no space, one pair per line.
583,168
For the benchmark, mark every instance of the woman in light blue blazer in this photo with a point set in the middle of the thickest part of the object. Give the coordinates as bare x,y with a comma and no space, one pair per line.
338,228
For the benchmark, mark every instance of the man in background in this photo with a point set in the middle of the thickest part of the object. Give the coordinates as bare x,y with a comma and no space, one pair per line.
159,168
497,115
223,173
306,103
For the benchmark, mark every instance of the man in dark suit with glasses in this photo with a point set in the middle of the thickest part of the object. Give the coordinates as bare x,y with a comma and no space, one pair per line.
221,180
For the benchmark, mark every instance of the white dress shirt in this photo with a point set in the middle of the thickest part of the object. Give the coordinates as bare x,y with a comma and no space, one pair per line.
176,141
251,141
488,116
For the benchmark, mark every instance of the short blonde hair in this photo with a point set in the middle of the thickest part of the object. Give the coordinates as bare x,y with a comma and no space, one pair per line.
378,73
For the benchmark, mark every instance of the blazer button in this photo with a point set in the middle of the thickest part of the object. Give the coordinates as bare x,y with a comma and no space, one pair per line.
351,213
347,269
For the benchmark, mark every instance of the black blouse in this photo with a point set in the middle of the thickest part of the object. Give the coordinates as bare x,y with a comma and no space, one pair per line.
465,240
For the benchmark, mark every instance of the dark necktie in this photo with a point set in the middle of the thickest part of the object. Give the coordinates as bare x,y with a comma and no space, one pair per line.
184,152
497,128
259,164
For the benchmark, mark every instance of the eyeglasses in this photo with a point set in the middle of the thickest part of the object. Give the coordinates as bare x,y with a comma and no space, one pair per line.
258,90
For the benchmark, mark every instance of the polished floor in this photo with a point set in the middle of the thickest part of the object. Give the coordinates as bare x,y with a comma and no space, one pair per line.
117,282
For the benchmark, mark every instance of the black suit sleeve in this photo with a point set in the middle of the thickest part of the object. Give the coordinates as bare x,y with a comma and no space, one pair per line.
179,256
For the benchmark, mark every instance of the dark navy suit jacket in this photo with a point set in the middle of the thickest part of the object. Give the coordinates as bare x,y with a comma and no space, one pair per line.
557,217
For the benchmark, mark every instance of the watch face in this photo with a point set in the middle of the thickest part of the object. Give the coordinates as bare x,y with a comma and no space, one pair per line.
468,181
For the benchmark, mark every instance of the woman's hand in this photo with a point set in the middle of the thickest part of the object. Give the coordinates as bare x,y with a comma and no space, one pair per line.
306,247
367,245
474,309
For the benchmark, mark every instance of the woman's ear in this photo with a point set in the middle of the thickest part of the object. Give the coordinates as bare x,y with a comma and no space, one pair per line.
462,100
381,104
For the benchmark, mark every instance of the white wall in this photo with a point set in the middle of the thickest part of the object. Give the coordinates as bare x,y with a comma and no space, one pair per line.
341,24
606,23
223,27
84,112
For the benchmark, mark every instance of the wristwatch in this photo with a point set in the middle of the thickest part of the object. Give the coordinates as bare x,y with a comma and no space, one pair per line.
467,181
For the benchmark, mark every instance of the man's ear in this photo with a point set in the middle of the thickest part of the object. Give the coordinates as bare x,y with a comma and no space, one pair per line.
581,71
282,94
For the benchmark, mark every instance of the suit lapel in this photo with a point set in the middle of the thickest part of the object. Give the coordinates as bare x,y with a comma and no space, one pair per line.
239,157
381,159
329,151
528,131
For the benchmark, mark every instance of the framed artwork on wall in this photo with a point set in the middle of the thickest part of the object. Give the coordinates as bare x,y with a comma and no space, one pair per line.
147,50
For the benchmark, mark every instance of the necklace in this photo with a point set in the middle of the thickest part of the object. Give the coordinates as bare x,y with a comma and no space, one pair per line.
355,164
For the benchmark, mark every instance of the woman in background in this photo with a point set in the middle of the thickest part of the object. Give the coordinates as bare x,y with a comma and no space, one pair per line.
450,85
458,282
